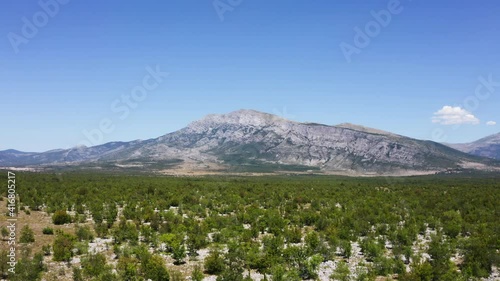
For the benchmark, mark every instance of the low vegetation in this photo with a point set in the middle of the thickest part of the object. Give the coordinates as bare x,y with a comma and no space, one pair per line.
118,227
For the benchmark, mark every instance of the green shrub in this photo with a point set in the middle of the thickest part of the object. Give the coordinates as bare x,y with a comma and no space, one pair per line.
63,246
342,272
46,249
154,268
48,231
5,232
61,217
29,269
214,263
83,233
94,265
77,274
197,274
27,235
178,253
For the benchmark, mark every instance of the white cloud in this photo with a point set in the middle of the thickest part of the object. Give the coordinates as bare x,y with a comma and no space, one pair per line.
491,123
449,115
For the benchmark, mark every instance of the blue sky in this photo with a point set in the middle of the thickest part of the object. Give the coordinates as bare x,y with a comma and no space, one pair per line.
419,74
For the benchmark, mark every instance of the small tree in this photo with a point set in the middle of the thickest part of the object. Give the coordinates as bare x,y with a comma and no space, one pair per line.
197,274
312,242
293,235
5,233
154,268
342,272
452,223
83,233
346,248
419,271
178,253
94,265
371,249
63,244
127,268
29,269
233,270
27,235
101,229
48,231
4,259
77,274
46,250
309,271
61,217
214,263
278,273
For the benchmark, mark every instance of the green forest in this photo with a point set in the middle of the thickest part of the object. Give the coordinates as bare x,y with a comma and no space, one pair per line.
298,227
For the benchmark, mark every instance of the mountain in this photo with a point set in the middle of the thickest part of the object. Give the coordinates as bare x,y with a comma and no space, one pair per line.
485,147
58,156
248,140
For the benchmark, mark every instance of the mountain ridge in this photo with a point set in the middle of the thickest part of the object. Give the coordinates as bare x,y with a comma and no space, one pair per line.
488,146
251,140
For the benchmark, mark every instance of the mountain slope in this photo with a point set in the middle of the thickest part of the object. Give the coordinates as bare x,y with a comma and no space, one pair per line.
485,147
249,139
246,137
77,154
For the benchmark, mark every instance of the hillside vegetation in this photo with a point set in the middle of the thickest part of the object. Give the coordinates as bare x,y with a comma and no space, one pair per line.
136,227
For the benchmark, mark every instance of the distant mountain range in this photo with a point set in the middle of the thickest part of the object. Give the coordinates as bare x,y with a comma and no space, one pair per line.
485,147
252,141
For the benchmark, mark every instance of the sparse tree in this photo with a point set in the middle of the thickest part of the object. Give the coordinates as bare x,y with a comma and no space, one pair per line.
214,263
27,235
83,233
342,272
77,274
61,217
29,269
178,253
63,244
94,265
197,274
5,233
154,268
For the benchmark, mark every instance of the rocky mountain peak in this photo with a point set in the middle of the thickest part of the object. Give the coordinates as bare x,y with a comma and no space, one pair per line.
364,129
242,117
249,139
